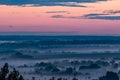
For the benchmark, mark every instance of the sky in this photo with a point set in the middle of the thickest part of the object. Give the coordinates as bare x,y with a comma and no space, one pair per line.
84,17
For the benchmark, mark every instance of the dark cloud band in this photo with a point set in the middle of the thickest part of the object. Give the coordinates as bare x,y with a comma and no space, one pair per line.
48,2
90,16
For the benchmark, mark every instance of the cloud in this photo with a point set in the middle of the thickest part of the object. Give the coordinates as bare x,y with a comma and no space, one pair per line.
72,3
90,16
101,16
70,17
58,16
112,12
10,26
106,15
58,12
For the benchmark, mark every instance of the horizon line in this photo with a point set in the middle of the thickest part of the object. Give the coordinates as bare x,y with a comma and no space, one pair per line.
32,33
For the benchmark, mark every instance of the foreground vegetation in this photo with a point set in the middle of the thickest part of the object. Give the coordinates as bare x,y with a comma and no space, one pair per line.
6,74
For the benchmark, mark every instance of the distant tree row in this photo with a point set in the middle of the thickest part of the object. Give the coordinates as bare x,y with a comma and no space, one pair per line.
110,76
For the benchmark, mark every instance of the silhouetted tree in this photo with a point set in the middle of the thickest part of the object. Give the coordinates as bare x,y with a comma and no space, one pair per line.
14,75
69,70
5,75
74,78
4,71
59,78
110,76
53,78
33,78
21,77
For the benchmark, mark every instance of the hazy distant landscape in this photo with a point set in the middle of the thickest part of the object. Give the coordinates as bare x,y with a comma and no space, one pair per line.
59,46
83,57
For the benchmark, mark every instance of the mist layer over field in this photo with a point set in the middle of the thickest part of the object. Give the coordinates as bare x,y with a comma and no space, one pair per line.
45,56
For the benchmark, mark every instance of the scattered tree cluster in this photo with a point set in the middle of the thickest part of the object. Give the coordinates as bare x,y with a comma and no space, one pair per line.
110,76
5,74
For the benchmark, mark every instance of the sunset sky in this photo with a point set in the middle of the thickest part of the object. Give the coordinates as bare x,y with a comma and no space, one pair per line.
85,17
